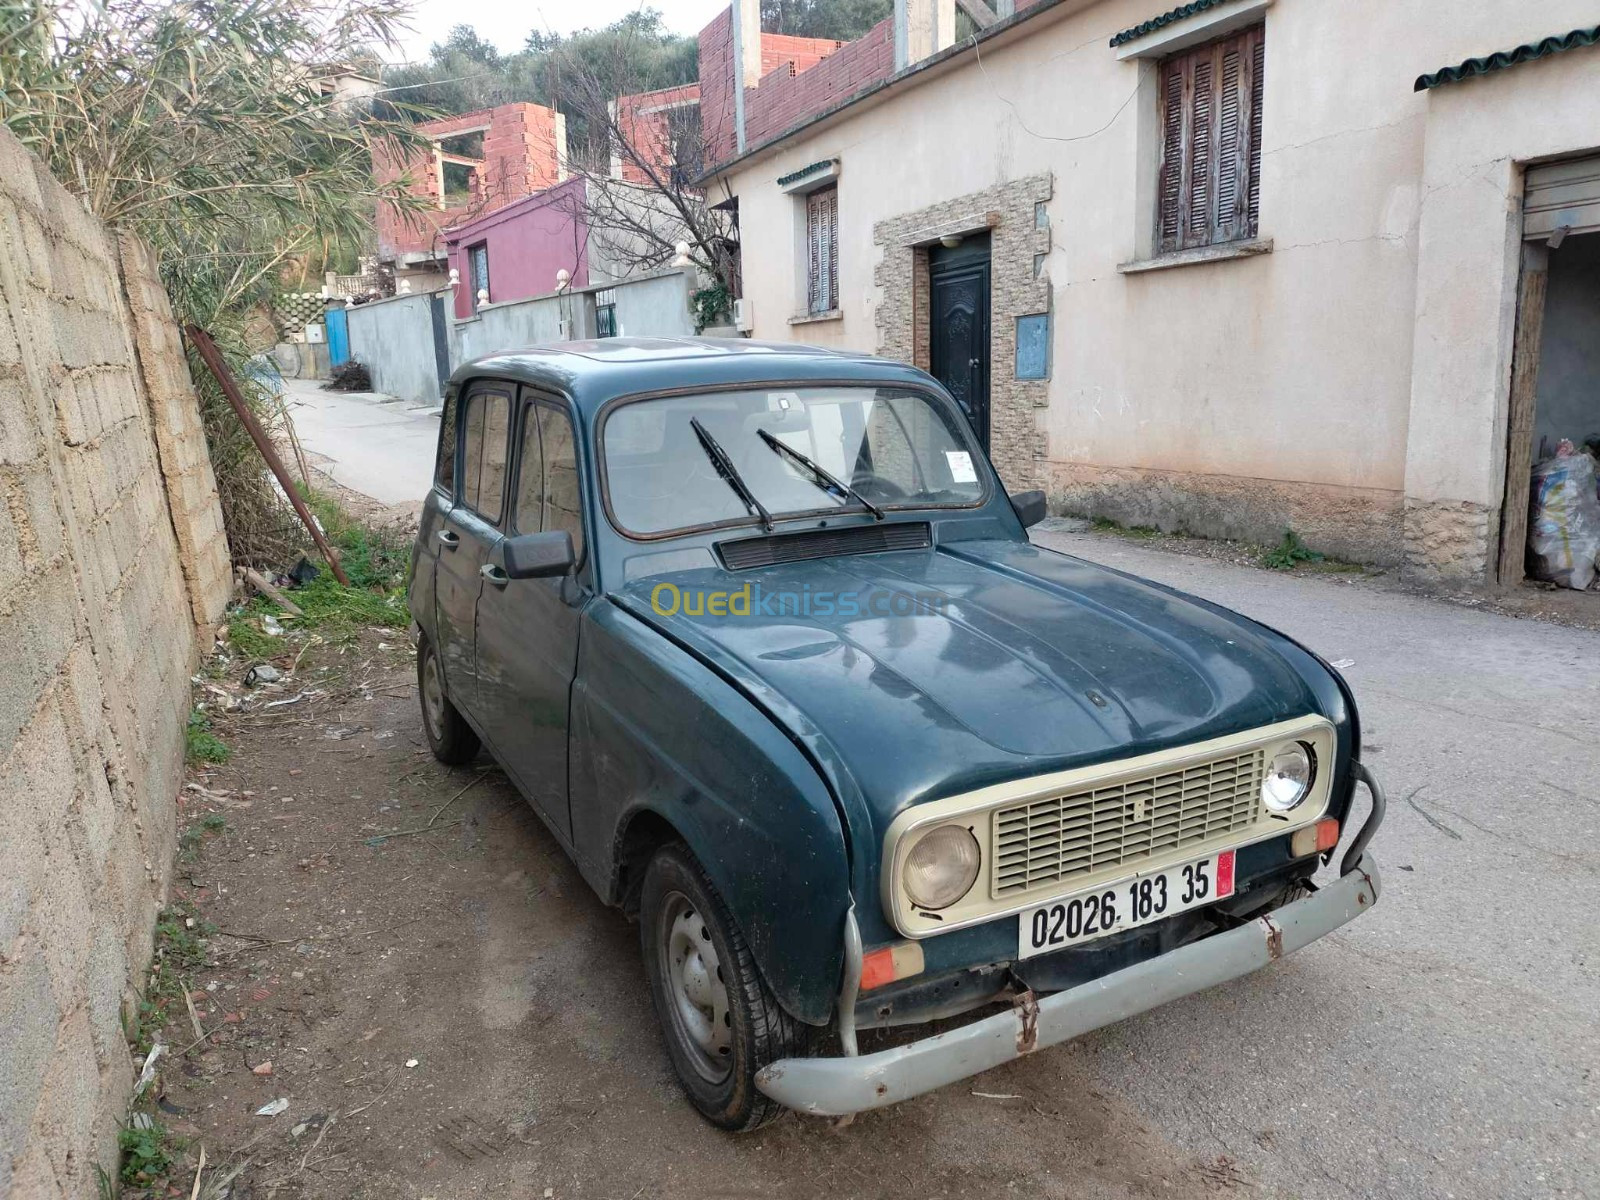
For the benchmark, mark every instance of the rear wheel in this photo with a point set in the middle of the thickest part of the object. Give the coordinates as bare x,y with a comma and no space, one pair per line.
449,736
720,1021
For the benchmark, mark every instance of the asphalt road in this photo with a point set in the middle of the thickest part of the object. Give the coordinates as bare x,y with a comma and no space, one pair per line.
1446,1045
374,444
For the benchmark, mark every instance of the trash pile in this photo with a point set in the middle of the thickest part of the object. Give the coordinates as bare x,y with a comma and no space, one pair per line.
1564,521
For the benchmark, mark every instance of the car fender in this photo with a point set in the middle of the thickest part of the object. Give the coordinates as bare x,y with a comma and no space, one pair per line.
656,731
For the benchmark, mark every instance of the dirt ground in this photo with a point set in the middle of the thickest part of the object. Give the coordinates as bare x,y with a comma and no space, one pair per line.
449,1011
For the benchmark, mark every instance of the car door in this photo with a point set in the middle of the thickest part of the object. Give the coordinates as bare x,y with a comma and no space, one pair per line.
528,628
467,532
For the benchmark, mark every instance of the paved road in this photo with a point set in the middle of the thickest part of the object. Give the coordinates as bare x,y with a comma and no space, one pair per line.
375,444
1447,1045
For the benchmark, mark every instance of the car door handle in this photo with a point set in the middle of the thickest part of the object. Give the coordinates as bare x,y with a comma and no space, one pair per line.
449,538
495,575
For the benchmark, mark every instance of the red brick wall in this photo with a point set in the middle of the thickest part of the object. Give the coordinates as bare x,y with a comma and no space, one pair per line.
785,62
785,100
520,158
648,132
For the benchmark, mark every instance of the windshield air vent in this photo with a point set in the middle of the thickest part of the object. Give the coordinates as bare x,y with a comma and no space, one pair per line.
745,553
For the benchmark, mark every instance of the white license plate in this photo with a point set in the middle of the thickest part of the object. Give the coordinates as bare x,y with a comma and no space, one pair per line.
1125,904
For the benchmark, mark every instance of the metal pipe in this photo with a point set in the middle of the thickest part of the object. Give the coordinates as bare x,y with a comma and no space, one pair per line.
1375,818
230,388
852,983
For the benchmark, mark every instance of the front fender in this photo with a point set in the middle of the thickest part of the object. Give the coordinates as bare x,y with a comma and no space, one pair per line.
655,730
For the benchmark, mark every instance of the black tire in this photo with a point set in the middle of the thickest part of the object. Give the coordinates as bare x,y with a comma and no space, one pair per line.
449,736
755,1031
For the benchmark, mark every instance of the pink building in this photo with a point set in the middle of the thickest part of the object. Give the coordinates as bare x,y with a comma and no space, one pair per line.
516,251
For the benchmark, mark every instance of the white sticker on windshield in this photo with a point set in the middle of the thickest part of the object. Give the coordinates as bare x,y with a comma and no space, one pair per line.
960,466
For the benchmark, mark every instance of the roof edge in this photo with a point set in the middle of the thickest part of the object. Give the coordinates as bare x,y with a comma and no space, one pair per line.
1504,59
1162,21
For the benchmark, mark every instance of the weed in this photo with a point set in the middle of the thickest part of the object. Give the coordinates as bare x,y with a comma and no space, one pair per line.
214,822
180,951
191,839
200,744
1138,533
246,636
147,1150
1290,553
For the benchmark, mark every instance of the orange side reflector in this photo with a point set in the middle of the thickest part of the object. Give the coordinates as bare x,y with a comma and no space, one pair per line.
1314,839
884,966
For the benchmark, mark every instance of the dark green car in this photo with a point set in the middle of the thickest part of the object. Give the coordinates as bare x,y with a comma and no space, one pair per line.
763,639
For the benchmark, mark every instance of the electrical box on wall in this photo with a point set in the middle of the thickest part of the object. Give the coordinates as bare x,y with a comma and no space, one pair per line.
744,317
314,333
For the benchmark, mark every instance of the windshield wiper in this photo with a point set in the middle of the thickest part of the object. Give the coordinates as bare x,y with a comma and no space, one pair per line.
823,479
730,473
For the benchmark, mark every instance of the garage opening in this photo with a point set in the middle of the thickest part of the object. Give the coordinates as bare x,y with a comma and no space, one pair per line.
1551,529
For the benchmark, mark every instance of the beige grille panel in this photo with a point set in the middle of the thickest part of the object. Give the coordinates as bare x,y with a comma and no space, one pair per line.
1057,839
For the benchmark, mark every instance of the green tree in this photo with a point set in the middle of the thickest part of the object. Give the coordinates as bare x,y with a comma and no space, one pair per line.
842,20
202,126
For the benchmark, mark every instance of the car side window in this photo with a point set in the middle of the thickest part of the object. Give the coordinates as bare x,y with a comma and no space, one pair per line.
563,507
444,467
528,513
485,443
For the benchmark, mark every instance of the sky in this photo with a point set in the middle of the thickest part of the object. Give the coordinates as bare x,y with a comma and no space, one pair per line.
506,23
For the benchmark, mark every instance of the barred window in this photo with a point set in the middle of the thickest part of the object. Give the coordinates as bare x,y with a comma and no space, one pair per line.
1210,110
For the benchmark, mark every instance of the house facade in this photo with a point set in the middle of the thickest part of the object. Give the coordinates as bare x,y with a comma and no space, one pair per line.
1237,267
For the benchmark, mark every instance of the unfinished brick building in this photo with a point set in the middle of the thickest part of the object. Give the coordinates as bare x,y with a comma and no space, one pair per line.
479,161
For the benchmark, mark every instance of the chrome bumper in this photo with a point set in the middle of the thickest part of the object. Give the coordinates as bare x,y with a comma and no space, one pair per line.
841,1086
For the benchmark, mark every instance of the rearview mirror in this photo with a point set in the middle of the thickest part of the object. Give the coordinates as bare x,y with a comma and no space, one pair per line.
1029,507
538,555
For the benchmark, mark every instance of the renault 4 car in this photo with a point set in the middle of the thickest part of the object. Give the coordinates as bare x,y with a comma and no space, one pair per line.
762,637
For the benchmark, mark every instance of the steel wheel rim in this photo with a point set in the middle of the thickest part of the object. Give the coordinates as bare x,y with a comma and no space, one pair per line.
432,696
696,993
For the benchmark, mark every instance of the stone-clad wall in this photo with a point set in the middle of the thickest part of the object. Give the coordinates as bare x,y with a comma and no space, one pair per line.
112,559
1018,239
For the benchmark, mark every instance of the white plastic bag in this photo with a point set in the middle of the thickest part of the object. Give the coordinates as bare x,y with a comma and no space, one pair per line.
1564,532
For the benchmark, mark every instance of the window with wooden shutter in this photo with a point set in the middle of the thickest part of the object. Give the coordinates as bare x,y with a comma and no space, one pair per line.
1209,188
822,250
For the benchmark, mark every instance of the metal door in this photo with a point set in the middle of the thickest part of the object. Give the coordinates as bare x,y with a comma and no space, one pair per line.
528,628
338,322
958,342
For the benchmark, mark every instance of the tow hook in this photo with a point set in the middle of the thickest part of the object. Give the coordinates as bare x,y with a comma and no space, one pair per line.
1027,1006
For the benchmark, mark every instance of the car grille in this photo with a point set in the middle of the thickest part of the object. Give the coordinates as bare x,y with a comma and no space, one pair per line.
1063,837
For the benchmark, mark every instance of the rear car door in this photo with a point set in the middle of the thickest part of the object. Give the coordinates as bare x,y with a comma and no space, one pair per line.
528,628
468,532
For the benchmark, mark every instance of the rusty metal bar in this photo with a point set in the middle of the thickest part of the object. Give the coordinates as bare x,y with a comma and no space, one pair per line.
230,388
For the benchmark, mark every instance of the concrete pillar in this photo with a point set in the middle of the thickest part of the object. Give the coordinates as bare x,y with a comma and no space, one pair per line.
746,59
922,28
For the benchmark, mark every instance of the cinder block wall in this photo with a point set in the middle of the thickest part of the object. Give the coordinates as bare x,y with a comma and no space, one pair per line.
112,562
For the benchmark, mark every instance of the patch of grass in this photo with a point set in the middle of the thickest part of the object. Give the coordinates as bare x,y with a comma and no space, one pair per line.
192,838
200,744
375,557
1138,533
245,635
1290,553
147,1153
180,951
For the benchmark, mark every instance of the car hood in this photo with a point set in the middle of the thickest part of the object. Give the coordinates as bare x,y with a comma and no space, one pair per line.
930,672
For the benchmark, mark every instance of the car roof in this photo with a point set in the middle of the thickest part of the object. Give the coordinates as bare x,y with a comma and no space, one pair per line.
593,372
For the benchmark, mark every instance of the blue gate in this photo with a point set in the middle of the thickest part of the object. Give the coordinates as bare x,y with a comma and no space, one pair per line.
338,322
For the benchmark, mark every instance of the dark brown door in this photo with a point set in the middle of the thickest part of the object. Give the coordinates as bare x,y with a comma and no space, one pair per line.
958,343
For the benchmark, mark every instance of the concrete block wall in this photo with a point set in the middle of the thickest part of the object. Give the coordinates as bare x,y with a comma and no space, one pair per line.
108,564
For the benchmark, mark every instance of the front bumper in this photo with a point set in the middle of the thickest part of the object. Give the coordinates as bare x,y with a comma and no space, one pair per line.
841,1086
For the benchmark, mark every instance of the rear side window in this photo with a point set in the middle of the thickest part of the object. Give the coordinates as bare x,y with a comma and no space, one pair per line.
485,434
562,507
444,469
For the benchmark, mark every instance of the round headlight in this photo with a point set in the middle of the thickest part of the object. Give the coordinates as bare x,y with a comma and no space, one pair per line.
941,867
1289,773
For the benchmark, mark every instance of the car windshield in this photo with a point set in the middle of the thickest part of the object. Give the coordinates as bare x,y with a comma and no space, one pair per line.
893,447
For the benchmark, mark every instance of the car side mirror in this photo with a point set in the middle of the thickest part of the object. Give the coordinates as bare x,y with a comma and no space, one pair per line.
538,555
1029,507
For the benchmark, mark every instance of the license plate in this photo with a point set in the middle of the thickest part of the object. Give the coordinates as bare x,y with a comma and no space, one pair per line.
1126,904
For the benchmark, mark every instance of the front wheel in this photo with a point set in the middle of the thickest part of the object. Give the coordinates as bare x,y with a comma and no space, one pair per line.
720,1021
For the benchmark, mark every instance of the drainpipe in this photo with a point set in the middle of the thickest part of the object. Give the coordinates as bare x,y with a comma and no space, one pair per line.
746,59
